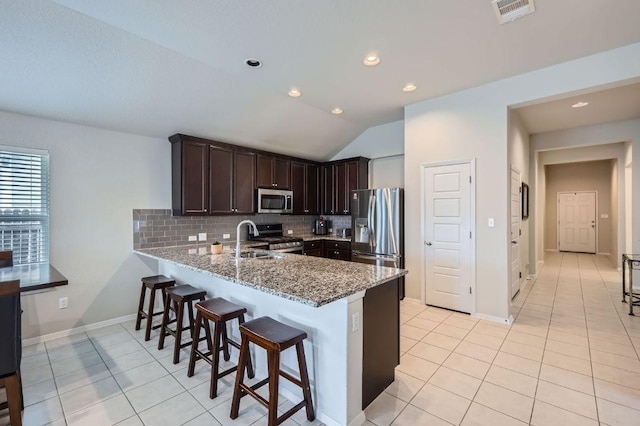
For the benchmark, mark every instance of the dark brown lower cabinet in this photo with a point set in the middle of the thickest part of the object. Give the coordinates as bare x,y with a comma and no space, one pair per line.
380,339
340,250
314,248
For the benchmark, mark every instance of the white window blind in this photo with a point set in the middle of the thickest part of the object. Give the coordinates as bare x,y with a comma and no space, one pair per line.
24,205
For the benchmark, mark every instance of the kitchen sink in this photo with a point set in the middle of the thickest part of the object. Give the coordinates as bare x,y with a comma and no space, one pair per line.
257,254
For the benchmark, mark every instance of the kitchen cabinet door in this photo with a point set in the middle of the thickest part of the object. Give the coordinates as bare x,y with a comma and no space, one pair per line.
244,182
327,189
221,166
272,172
194,179
341,184
281,170
263,172
316,247
305,180
312,185
298,187
348,176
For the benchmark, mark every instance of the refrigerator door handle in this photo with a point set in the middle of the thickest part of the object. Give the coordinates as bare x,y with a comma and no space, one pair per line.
370,219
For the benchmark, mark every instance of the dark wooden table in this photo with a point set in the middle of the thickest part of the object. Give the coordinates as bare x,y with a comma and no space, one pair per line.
34,276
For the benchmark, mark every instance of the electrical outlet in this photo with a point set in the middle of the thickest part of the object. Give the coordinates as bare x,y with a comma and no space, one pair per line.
63,303
491,222
226,236
355,322
193,238
202,236
290,231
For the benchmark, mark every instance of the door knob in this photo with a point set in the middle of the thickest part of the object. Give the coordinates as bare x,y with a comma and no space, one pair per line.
426,243
514,242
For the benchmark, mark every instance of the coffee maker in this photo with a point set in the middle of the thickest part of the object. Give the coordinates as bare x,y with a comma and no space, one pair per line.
321,227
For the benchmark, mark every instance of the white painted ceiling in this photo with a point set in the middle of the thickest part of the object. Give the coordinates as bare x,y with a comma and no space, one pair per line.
614,104
157,67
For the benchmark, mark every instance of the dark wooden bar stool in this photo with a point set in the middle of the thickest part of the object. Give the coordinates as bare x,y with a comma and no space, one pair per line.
274,337
154,283
11,349
179,296
219,311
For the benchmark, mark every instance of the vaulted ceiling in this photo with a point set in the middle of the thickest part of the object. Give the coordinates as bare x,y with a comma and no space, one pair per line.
157,67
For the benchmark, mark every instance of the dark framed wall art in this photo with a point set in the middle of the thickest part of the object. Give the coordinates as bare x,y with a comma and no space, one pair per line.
525,200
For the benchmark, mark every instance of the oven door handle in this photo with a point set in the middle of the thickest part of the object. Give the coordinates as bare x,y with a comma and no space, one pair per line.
289,250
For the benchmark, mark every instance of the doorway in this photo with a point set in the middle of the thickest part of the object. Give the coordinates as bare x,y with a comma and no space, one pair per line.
448,192
577,221
514,249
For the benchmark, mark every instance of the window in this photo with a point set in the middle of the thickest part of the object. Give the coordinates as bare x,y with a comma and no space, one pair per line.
24,204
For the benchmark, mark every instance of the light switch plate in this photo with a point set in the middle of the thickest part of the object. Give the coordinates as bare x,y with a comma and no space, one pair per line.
226,236
290,231
202,236
193,237
491,223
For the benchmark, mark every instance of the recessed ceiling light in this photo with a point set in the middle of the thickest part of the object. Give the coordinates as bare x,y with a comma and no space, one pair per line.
253,63
336,111
295,93
371,60
409,87
580,105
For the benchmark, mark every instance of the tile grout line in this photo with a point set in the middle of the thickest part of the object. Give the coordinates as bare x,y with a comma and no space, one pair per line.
535,392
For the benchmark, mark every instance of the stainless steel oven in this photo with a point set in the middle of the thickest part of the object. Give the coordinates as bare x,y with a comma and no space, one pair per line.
271,234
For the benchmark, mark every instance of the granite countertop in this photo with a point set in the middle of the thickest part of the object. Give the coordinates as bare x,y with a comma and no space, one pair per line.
313,281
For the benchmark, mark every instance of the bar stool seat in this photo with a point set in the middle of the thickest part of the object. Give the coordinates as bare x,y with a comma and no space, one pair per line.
179,296
219,311
154,283
274,337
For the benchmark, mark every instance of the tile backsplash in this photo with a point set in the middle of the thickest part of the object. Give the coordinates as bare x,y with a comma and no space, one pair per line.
158,228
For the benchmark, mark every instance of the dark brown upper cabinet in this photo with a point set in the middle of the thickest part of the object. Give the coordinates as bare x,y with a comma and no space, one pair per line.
305,183
273,172
190,179
210,179
232,181
339,179
216,178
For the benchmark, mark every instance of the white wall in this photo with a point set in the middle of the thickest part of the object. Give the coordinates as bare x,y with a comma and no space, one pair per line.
519,159
589,143
97,178
385,140
473,124
384,145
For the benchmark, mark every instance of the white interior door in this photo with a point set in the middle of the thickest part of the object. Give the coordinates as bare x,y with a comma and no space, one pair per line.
447,225
577,222
514,253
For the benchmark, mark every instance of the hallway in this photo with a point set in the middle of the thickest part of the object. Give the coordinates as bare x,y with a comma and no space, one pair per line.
569,358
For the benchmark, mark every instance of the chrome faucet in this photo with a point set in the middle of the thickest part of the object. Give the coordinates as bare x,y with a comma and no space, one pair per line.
255,234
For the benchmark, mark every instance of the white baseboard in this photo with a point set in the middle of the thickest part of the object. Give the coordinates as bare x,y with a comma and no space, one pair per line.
493,318
76,330
412,300
357,421
360,419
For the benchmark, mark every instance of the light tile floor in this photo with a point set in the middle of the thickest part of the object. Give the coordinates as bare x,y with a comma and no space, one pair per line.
570,358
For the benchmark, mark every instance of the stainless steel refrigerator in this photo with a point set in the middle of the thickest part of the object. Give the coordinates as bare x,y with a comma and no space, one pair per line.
377,228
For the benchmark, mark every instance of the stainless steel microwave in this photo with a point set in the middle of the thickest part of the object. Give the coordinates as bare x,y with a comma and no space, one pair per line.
275,201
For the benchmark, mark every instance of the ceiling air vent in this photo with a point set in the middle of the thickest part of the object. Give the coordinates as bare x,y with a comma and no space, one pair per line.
509,10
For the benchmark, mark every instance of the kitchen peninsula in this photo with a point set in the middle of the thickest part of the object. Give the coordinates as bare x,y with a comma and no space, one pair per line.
350,312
